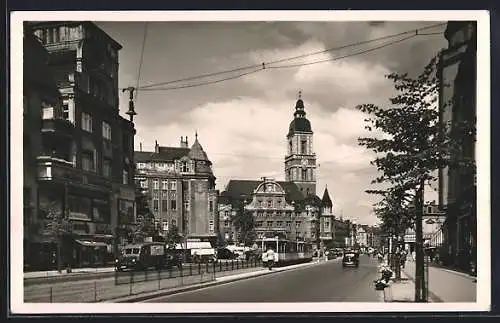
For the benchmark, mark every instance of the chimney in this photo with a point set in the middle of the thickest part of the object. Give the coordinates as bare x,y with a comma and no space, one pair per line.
157,147
184,142
140,146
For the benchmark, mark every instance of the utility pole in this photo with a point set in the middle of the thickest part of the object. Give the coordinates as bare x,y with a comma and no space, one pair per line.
420,293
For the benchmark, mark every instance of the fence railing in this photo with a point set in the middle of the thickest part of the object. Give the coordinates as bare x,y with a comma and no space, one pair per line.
128,283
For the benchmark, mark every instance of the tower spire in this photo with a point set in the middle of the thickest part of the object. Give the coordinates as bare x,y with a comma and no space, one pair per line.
196,135
300,94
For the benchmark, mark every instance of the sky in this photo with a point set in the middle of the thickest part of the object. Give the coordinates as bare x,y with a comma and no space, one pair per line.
242,123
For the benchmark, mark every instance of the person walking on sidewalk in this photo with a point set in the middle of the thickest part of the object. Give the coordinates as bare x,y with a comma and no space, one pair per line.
269,256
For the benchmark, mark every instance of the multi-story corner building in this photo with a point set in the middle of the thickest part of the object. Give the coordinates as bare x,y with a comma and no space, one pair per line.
457,189
181,186
85,164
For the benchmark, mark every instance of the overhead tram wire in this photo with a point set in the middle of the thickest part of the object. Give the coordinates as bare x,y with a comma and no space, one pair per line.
412,31
265,66
141,60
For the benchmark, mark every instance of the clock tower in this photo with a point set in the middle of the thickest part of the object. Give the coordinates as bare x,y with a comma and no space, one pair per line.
300,159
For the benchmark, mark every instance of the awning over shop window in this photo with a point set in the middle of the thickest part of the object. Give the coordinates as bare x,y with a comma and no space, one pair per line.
87,243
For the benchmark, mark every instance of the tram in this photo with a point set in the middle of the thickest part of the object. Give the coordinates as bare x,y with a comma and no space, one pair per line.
288,252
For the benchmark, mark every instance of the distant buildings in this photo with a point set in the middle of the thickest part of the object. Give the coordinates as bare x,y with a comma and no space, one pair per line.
79,145
457,189
180,186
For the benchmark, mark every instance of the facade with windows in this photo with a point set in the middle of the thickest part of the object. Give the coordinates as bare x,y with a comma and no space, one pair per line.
457,100
180,186
89,173
278,208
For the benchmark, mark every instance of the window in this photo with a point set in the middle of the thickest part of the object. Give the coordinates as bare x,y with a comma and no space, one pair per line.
279,203
164,205
106,168
88,161
174,223
303,147
226,223
186,206
144,183
185,167
269,223
269,203
280,223
86,122
210,206
173,185
327,226
304,175
297,224
290,146
47,112
155,204
173,205
211,225
156,194
125,177
279,213
288,223
226,213
106,130
165,226
164,184
155,184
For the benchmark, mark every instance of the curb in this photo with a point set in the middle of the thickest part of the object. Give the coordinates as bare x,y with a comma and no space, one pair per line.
140,298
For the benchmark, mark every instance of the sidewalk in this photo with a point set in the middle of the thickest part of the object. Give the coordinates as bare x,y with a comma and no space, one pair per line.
447,285
218,281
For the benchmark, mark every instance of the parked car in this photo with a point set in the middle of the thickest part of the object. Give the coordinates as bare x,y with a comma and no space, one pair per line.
350,259
224,253
143,256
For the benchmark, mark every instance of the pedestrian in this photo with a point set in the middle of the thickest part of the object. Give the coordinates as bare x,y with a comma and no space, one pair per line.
270,258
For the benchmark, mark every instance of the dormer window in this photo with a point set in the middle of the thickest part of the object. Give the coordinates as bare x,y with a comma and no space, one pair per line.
184,167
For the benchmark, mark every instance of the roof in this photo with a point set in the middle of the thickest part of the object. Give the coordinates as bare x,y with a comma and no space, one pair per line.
326,199
300,122
163,154
240,189
197,152
86,24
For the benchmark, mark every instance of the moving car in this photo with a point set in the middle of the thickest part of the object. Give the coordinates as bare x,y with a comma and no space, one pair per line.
350,259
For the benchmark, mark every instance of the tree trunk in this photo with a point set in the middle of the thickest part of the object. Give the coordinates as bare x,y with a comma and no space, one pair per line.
59,269
420,294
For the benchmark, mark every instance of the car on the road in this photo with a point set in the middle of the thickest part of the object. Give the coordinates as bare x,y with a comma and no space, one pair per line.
350,259
331,254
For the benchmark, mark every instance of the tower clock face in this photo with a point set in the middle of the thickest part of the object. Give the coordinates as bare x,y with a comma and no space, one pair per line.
304,162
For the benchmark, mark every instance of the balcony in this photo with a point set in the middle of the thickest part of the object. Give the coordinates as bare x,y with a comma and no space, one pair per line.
51,168
57,128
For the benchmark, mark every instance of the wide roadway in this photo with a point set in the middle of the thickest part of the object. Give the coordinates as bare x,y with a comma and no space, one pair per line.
322,282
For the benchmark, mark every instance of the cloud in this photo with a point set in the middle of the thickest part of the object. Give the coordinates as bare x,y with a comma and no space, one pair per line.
242,123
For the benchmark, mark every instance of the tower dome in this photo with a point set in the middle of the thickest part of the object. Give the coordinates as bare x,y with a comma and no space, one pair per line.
300,122
197,152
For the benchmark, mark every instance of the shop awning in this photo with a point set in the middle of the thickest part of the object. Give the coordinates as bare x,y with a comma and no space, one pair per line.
87,243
